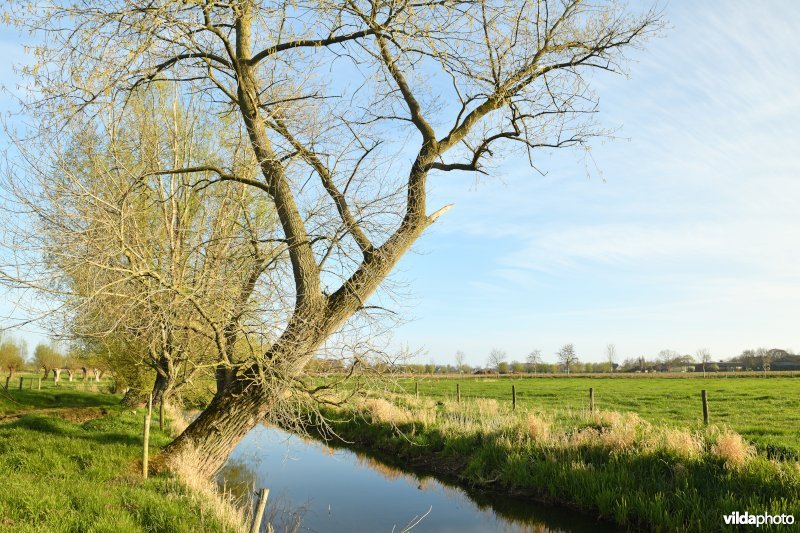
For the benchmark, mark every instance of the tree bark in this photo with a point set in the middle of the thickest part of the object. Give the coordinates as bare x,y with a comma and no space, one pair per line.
70,373
215,433
224,376
56,375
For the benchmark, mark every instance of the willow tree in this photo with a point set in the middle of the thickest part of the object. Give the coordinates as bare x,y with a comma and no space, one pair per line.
145,269
350,107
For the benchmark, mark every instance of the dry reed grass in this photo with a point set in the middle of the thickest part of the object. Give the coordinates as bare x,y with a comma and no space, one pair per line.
732,448
230,516
486,407
384,411
682,443
538,428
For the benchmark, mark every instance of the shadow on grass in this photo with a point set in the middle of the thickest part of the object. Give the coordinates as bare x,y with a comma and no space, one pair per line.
36,399
55,426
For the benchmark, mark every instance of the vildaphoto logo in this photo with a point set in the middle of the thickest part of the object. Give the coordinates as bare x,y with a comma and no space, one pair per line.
746,519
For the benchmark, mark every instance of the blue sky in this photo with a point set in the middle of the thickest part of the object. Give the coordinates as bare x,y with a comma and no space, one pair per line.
682,233
685,233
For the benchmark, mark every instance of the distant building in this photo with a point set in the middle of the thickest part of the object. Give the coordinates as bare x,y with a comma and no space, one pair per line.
719,366
785,364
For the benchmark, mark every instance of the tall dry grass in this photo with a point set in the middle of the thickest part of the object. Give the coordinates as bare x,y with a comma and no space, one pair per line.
562,431
230,515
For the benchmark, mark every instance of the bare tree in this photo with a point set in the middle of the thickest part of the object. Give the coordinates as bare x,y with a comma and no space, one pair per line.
430,88
534,359
567,356
704,356
496,358
764,358
611,355
666,358
460,356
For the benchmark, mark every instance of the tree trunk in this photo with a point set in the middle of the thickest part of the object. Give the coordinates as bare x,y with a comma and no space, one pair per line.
85,374
70,372
215,433
56,375
166,378
97,374
46,373
224,376
162,388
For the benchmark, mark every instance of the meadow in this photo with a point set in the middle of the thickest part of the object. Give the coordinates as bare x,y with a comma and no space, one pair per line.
643,458
70,460
766,411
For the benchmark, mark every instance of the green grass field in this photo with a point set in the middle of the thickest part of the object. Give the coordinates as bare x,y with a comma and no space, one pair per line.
766,411
70,461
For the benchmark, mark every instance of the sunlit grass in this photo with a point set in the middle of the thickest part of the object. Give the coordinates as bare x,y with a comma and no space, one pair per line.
85,474
618,465
766,411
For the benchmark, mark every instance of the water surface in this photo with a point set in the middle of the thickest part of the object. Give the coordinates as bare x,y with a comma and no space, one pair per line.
325,489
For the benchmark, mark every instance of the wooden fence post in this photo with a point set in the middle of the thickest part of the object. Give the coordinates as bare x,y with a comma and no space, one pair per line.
39,386
704,396
30,384
161,414
146,440
416,389
8,378
591,399
263,494
513,397
458,393
20,382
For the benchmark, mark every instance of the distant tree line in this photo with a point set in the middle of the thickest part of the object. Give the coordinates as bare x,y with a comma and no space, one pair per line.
566,360
51,359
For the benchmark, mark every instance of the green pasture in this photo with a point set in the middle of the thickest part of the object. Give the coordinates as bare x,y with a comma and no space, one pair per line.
766,411
70,461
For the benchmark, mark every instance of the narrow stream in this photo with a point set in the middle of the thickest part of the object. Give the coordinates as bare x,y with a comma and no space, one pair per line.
316,488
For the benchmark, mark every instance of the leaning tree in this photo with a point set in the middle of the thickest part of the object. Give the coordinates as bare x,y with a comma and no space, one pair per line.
350,108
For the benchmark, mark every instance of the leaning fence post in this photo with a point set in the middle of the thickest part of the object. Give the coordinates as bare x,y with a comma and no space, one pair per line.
591,399
20,382
704,396
416,389
146,440
513,397
458,392
8,378
263,494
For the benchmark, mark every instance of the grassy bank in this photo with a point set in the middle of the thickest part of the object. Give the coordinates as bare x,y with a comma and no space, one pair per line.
614,465
766,411
70,461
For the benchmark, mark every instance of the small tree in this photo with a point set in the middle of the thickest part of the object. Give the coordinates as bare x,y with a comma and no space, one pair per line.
496,357
460,356
12,353
534,359
704,356
517,367
764,358
567,357
48,359
611,355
